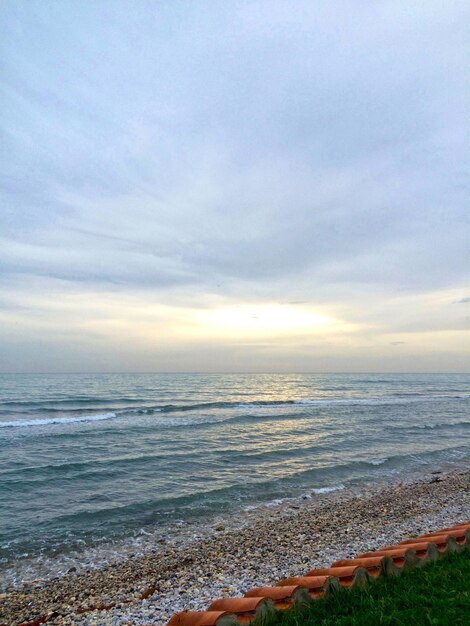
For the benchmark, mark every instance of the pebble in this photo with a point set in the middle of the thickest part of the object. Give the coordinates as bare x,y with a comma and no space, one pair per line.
254,551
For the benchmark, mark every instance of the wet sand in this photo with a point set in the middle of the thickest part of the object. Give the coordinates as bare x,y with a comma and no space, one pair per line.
256,549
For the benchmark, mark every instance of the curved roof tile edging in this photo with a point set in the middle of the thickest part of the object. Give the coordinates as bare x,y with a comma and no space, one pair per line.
348,573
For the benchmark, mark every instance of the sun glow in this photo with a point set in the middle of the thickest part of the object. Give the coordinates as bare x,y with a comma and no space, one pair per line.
263,320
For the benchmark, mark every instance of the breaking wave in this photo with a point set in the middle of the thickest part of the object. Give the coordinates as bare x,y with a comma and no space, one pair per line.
57,420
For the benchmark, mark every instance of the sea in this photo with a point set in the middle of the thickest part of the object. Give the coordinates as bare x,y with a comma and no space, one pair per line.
91,463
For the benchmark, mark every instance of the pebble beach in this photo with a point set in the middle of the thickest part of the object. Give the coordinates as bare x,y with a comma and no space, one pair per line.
234,305
230,556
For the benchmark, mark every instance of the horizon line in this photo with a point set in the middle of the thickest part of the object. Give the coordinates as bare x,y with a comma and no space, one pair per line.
379,372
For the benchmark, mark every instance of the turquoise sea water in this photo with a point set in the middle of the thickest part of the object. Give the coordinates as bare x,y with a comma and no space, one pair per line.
87,459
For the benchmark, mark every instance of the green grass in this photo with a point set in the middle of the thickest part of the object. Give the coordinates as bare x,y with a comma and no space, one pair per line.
437,594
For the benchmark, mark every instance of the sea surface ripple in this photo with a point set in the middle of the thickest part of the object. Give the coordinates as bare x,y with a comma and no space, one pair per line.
89,459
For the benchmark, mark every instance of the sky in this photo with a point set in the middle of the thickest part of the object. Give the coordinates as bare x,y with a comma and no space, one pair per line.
234,186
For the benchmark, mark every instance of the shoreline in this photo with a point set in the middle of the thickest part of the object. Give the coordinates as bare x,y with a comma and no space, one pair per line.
44,568
258,547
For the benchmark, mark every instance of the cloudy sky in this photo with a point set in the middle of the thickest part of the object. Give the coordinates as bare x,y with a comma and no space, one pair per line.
234,185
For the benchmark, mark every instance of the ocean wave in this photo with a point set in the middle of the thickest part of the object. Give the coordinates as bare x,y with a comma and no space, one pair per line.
220,498
320,490
262,404
292,499
83,415
265,406
171,408
386,400
57,420
420,427
68,401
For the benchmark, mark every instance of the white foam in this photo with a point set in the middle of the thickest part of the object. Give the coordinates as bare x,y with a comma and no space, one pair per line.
328,489
250,507
384,400
377,461
353,401
57,420
276,502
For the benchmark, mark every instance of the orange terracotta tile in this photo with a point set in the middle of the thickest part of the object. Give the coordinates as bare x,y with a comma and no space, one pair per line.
410,554
317,582
443,542
464,525
459,534
308,582
236,605
245,609
202,618
373,564
345,573
275,593
315,585
397,559
418,546
282,597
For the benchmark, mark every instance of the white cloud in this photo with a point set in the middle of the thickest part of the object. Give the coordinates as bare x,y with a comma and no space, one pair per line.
255,154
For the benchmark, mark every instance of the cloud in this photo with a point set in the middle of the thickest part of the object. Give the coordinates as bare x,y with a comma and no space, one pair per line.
249,155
